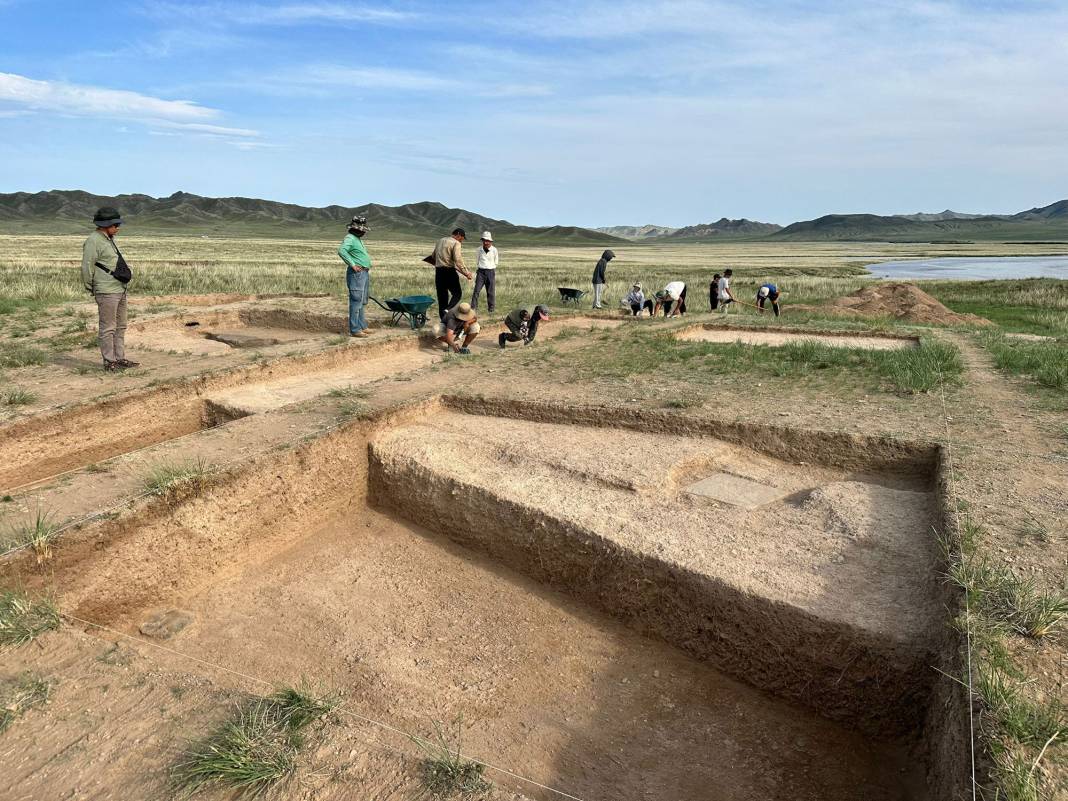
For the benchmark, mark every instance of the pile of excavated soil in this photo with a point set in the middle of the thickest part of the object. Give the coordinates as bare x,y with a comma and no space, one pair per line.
905,302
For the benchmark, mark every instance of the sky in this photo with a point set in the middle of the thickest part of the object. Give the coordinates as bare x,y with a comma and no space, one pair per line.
577,113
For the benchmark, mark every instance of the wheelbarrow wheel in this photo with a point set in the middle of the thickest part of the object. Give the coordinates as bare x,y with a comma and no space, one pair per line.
418,320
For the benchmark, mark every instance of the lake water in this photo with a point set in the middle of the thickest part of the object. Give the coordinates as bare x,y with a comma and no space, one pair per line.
974,268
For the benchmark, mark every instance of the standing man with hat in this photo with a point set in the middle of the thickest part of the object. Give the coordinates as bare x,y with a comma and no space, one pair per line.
448,267
486,273
105,275
357,275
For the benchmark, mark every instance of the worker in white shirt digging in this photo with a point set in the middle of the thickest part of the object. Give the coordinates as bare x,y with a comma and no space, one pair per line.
486,273
672,299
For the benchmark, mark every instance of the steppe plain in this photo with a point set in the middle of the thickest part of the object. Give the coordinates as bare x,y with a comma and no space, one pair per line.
545,555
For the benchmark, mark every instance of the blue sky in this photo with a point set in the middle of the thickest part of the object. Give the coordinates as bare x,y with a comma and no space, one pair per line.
588,113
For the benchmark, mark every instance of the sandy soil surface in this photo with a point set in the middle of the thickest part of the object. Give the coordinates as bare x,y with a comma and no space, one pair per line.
785,337
850,555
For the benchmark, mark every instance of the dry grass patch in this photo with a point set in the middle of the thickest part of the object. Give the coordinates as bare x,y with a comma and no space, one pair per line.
19,695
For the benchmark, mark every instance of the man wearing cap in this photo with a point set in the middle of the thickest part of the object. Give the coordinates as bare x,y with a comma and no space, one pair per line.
357,275
102,267
486,273
523,325
672,299
765,293
448,267
635,299
458,328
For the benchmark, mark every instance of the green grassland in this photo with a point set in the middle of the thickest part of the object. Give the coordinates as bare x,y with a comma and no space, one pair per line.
38,271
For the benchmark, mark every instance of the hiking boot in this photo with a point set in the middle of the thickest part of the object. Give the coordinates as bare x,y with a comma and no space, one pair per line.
127,364
464,351
113,367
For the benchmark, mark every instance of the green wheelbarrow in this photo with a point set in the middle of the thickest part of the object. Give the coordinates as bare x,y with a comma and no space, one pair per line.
411,308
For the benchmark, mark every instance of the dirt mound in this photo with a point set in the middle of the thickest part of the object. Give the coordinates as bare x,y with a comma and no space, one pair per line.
905,302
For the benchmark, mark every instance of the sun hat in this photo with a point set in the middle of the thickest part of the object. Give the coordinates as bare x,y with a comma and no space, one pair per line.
637,285
763,292
106,216
463,311
542,311
359,222
487,236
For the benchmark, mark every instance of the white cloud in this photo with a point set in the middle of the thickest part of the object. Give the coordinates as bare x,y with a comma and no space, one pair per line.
215,130
94,101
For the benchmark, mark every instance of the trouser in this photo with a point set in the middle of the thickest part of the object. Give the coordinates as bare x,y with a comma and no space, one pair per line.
774,305
508,336
447,283
724,304
713,297
488,279
359,284
679,306
111,310
598,291
637,307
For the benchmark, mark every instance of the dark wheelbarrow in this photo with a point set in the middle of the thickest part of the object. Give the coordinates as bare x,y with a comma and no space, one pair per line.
570,294
411,308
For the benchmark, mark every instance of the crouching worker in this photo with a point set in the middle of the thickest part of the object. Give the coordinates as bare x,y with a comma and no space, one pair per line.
635,299
522,325
768,292
458,328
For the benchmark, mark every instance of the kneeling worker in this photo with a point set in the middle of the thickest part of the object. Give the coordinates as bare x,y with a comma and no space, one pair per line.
636,301
768,292
458,328
522,325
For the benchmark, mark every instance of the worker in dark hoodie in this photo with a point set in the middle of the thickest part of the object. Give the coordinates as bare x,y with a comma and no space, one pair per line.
598,277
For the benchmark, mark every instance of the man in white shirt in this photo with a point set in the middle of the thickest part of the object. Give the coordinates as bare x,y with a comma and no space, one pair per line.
672,299
726,297
486,274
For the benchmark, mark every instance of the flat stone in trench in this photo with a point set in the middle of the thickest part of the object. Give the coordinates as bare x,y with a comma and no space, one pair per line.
736,491
235,340
164,625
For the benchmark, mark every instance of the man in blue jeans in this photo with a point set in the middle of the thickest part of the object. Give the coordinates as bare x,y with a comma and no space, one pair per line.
358,275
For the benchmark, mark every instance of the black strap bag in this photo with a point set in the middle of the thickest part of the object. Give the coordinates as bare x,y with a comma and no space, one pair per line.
122,272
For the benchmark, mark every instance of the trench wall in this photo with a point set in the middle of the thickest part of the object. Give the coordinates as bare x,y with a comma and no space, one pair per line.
876,684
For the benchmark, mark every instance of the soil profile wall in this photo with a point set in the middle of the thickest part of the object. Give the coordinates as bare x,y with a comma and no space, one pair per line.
878,684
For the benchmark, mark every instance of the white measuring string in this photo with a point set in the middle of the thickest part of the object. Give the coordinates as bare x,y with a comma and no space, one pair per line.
967,604
343,709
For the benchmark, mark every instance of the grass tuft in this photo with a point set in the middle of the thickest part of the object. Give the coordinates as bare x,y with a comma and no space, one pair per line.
23,618
256,748
19,695
189,479
18,355
38,535
1045,362
1008,600
17,397
445,772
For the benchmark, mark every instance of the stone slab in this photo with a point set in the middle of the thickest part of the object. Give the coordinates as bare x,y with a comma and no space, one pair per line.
235,340
164,625
736,491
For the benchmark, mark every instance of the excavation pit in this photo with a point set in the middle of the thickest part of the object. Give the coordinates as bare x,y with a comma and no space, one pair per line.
218,332
568,666
746,336
816,583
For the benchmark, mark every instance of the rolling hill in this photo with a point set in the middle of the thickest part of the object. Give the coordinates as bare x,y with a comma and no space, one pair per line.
69,211
724,229
637,232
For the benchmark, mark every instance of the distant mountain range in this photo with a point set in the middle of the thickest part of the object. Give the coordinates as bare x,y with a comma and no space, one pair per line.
69,211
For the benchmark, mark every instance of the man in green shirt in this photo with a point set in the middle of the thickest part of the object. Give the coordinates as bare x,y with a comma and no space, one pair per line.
358,277
100,258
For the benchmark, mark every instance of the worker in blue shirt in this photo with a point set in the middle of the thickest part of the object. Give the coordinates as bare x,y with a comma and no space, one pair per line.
768,292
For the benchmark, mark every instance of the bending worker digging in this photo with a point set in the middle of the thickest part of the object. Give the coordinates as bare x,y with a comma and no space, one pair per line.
522,325
458,328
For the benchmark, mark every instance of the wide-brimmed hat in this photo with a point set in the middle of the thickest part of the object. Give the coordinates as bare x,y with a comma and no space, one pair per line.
106,216
487,236
463,311
359,222
637,285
